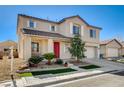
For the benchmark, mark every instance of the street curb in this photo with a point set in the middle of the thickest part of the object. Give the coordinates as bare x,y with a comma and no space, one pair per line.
69,79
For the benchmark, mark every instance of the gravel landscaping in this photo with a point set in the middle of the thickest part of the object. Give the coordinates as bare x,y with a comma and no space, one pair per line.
5,68
43,65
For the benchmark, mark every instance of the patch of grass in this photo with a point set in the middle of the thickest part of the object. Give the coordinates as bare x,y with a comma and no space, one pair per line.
25,74
121,60
56,71
89,67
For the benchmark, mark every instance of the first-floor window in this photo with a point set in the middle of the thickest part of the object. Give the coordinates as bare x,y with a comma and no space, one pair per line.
35,47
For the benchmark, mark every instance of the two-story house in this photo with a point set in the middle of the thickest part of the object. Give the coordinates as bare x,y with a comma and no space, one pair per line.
37,36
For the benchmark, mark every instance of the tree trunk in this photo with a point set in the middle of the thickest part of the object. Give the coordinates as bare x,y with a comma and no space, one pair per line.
77,59
49,62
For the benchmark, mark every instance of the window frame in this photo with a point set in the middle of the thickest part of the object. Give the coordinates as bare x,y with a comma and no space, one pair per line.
76,27
92,33
52,29
31,24
33,47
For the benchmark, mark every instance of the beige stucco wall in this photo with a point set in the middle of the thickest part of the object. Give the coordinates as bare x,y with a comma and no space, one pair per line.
40,25
64,54
65,30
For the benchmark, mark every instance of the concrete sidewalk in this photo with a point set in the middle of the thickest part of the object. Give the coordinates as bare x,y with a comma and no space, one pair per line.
38,81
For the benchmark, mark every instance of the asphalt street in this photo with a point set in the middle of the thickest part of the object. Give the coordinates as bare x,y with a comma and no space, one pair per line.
105,80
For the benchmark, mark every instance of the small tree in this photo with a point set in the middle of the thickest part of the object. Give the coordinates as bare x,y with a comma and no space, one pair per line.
77,48
49,57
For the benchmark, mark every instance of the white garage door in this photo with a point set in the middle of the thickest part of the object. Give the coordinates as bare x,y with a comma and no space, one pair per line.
113,52
90,52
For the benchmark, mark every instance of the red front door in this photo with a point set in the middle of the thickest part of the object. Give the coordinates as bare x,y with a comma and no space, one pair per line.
56,49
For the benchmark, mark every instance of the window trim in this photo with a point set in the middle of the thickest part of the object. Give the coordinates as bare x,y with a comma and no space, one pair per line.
79,31
92,33
29,23
33,47
51,28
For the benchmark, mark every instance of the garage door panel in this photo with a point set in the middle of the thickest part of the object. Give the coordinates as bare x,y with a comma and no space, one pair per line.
113,52
90,52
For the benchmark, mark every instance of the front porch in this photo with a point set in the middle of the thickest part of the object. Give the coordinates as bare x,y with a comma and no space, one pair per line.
40,45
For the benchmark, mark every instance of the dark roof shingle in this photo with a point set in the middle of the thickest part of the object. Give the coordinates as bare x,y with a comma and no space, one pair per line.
43,33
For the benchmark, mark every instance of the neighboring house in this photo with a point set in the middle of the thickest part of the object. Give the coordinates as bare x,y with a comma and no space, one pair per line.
5,46
122,50
110,48
37,36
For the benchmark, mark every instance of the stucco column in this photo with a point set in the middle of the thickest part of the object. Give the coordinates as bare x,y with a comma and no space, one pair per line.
44,47
27,48
98,52
50,45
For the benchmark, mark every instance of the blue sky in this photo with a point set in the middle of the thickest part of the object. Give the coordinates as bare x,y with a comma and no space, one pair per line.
110,18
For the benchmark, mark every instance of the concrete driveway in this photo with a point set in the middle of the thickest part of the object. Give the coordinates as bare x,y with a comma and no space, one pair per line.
105,80
105,64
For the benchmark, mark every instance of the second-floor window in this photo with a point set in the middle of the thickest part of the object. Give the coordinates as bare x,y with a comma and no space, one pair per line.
31,24
76,29
53,28
35,47
92,33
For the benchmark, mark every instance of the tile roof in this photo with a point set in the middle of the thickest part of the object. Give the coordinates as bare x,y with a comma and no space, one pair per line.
43,33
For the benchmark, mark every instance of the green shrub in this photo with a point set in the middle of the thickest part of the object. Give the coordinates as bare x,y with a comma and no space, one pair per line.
59,61
35,59
49,56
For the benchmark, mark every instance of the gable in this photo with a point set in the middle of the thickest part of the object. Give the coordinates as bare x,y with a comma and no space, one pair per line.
80,20
114,44
76,20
